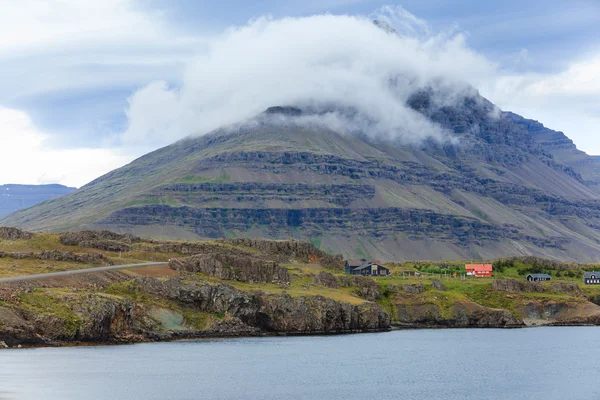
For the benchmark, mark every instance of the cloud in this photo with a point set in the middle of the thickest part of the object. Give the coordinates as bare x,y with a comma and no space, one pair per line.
326,59
25,158
64,57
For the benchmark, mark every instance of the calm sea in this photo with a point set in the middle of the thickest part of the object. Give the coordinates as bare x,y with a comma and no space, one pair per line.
539,363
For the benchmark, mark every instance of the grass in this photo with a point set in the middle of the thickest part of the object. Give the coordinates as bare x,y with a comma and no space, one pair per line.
223,177
51,302
12,267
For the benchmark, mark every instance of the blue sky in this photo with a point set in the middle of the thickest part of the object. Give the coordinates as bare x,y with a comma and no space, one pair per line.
70,69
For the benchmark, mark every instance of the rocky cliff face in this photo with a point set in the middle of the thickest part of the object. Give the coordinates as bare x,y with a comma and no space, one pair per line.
102,318
470,315
274,313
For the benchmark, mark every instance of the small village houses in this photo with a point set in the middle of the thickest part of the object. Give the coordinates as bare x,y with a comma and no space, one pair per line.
591,278
366,268
479,270
538,277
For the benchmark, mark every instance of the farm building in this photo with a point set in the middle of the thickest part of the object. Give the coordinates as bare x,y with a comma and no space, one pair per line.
366,268
479,270
591,278
538,277
351,264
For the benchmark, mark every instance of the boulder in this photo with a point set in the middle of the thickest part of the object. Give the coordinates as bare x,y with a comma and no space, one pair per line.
368,289
438,285
333,261
8,233
326,279
415,288
572,289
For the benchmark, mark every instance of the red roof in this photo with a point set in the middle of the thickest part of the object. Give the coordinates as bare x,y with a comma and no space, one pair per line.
479,267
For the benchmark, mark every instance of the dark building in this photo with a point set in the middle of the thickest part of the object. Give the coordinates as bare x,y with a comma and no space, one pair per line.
591,278
538,277
351,264
366,268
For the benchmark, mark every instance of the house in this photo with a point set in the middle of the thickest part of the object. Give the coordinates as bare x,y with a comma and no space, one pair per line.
479,270
366,268
591,278
538,277
351,264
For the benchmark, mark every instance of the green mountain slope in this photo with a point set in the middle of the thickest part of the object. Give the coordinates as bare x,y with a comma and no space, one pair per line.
497,189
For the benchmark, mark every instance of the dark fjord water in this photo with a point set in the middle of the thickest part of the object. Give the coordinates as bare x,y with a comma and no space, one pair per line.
540,363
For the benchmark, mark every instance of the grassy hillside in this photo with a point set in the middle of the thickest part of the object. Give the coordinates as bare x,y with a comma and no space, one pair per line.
416,294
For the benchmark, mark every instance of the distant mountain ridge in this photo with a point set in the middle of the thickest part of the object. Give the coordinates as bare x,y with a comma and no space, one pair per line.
503,186
16,197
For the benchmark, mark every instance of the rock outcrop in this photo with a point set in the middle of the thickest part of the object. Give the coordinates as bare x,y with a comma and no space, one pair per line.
289,248
514,286
333,261
468,315
366,288
572,289
57,255
326,279
8,233
102,240
243,268
438,285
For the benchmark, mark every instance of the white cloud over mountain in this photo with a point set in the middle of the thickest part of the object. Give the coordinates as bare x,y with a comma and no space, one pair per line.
325,59
192,84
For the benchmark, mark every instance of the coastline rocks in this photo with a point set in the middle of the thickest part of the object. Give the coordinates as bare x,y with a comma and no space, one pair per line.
469,315
273,313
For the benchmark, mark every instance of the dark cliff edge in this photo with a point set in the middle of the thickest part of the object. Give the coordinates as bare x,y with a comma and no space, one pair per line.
149,309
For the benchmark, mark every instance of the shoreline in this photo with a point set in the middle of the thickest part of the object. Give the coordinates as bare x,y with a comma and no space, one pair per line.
210,336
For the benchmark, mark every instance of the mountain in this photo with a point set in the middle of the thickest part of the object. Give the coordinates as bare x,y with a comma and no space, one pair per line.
16,197
502,185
